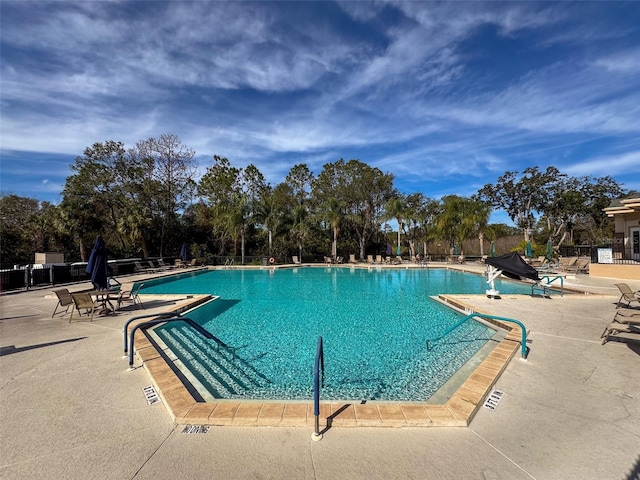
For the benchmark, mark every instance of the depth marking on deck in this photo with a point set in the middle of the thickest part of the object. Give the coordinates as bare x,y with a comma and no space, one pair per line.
493,400
151,395
195,429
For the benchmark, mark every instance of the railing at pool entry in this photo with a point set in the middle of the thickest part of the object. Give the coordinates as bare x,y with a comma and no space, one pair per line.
164,318
549,280
523,341
318,369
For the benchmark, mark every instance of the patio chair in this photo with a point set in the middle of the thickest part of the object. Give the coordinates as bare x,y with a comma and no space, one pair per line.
129,293
139,268
296,261
581,266
370,259
163,265
567,262
339,259
379,259
629,331
628,295
84,301
352,258
64,300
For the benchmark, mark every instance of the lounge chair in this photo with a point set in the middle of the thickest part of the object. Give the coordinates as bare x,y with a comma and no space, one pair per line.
538,262
339,259
139,268
129,293
629,331
328,260
83,301
628,295
379,259
295,260
627,315
352,258
164,266
567,262
370,259
178,263
581,266
64,300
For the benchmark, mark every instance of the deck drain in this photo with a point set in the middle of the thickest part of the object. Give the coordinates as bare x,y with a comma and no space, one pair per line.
195,429
493,400
151,395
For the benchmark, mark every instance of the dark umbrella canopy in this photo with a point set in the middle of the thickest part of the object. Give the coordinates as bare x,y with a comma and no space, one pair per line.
388,249
513,266
97,265
183,252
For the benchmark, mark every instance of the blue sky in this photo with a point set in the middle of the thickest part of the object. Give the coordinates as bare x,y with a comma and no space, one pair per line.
446,96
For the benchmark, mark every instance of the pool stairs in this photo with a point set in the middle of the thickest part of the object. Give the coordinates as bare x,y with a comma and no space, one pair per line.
215,366
222,373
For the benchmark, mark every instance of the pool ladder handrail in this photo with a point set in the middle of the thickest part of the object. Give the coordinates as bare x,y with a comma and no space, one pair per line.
318,368
164,318
229,263
523,329
549,280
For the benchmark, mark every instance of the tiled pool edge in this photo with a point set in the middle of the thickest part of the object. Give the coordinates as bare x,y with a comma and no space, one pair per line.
458,411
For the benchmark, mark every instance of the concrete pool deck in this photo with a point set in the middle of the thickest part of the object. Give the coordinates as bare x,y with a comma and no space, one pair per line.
70,409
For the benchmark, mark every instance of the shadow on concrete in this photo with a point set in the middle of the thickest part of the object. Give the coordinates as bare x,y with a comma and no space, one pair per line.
10,349
18,317
634,473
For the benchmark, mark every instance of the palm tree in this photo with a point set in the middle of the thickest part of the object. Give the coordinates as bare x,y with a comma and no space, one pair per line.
395,209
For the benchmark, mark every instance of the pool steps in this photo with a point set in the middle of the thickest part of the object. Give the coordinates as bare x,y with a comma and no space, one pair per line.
457,411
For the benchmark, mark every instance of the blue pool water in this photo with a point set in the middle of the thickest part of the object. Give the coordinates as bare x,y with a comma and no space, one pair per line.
374,323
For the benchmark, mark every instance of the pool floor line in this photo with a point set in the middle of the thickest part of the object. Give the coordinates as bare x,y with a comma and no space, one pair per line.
458,411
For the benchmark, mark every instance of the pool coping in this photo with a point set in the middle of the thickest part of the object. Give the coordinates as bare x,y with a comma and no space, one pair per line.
458,411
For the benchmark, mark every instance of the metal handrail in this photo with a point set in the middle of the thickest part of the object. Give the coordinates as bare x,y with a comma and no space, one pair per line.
549,282
493,317
148,323
149,315
317,368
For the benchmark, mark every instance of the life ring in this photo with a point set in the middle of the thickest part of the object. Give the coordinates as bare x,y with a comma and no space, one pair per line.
272,260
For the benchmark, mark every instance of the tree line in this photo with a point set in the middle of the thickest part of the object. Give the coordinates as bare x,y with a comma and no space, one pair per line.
147,201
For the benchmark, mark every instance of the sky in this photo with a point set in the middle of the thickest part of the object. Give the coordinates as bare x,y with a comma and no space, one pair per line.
446,96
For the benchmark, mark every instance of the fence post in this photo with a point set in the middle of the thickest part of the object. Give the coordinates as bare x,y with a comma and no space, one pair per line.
27,276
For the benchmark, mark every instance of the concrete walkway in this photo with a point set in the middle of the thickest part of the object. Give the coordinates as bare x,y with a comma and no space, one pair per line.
69,408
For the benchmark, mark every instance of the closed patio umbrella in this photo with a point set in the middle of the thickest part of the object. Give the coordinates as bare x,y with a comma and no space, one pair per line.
528,250
549,253
398,250
97,265
183,252
388,249
492,249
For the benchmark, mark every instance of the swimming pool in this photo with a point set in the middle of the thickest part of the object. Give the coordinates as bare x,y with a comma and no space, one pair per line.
374,323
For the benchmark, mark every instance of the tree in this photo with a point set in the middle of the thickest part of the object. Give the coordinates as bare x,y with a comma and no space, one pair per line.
327,190
521,197
173,172
365,191
91,196
396,208
219,188
461,218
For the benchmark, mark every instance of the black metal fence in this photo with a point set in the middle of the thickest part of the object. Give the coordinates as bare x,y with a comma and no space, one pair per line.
604,254
24,277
